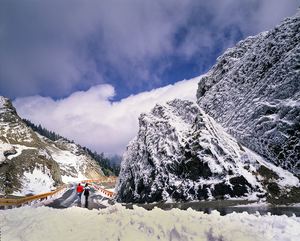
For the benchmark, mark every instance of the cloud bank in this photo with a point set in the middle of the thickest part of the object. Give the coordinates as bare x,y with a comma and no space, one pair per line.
54,48
91,119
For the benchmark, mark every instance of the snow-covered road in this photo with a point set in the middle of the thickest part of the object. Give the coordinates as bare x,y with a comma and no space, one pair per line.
70,199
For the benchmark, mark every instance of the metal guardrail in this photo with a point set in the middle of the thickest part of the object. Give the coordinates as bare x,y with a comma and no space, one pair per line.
111,179
103,180
104,191
17,202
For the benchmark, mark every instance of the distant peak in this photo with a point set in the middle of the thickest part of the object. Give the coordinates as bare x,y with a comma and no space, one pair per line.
3,100
6,104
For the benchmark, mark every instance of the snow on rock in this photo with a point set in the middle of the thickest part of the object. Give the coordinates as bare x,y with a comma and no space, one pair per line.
181,153
75,164
118,223
17,150
3,104
254,91
37,181
5,149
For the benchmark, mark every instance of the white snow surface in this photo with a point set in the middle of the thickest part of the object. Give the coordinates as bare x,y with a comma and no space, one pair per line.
118,223
37,181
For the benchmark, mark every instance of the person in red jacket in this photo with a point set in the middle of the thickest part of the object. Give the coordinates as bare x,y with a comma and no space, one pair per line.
79,190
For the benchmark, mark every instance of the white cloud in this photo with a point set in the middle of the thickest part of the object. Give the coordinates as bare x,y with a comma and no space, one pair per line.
91,119
55,47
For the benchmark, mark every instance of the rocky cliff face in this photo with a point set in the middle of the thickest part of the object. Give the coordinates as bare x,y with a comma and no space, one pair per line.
254,92
181,153
30,163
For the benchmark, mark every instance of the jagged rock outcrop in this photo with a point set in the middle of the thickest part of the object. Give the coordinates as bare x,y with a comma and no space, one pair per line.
181,153
254,92
30,163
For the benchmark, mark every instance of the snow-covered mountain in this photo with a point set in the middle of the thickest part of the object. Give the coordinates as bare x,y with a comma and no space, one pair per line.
254,92
181,153
31,163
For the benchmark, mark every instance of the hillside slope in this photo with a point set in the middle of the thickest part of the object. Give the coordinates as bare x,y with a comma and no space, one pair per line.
30,163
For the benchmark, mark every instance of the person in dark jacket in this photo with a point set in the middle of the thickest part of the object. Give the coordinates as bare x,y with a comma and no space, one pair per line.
86,193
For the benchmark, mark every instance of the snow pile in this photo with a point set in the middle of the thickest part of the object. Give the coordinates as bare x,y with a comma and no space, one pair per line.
181,153
118,223
253,90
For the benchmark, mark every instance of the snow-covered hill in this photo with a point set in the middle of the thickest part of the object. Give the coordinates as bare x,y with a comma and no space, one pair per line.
254,92
181,153
30,163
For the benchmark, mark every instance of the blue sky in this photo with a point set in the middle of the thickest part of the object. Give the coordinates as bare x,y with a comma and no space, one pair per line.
111,53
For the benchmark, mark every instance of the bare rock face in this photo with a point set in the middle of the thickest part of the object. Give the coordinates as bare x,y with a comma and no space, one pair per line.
254,92
181,153
31,164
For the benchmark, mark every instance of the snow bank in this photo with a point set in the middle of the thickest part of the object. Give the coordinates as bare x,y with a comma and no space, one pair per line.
118,223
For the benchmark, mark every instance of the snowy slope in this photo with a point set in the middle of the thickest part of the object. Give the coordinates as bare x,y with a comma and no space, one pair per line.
24,168
31,163
181,153
254,92
118,223
75,164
